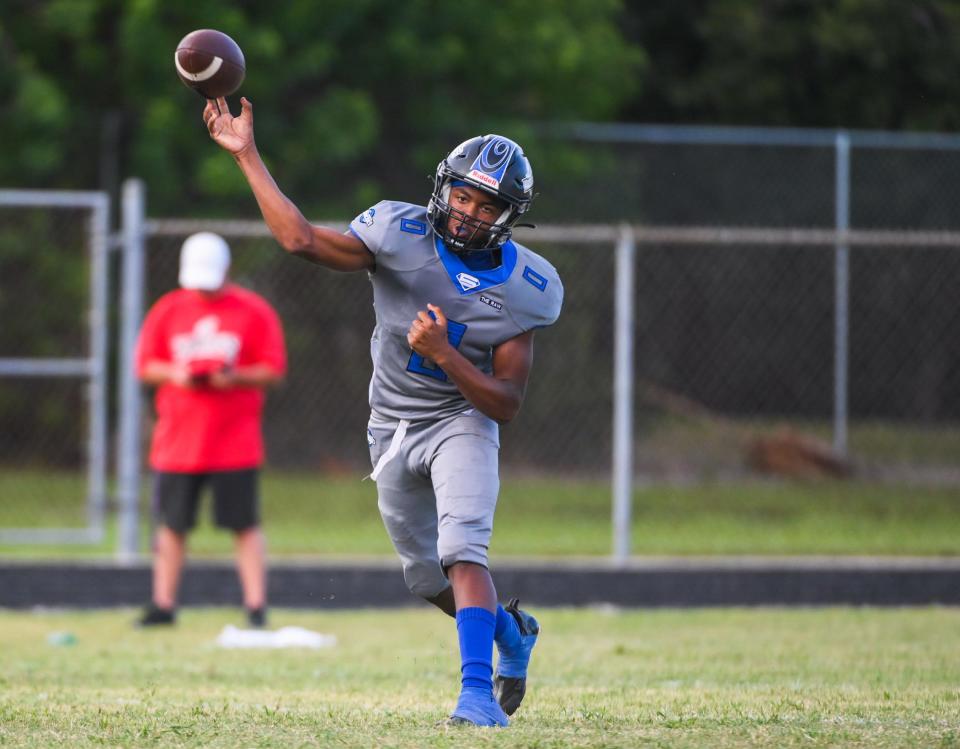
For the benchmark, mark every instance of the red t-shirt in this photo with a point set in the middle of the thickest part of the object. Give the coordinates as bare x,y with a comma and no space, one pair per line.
202,429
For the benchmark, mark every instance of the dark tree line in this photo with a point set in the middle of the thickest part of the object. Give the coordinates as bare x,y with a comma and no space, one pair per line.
357,98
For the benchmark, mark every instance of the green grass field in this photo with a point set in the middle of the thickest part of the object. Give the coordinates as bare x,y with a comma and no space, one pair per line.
315,515
678,678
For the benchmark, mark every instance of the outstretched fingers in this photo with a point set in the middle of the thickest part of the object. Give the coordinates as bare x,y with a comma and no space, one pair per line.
211,116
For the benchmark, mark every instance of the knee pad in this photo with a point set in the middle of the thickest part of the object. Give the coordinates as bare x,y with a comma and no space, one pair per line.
464,541
425,579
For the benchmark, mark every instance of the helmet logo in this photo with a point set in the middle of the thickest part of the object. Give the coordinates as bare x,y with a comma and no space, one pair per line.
492,162
483,177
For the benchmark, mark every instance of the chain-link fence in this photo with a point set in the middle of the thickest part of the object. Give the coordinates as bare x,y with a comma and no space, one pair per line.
317,419
734,340
737,347
741,340
53,303
750,350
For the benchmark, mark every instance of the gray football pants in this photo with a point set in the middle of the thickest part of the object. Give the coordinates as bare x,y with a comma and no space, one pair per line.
437,485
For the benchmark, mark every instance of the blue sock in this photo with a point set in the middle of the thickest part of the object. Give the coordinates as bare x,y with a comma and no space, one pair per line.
507,632
475,627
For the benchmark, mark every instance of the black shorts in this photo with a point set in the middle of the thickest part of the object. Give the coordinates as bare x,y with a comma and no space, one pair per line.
236,498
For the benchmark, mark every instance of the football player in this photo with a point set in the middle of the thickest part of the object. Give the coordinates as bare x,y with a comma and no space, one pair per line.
457,302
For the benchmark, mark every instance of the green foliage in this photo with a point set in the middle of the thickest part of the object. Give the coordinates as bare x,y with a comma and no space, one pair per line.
369,87
856,63
703,678
352,97
357,98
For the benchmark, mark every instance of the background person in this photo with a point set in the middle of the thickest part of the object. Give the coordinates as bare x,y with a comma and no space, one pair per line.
210,348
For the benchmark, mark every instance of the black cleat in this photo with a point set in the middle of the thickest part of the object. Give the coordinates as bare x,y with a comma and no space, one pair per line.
509,691
510,684
154,616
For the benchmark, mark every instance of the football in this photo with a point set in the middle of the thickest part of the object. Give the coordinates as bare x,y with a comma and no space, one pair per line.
210,62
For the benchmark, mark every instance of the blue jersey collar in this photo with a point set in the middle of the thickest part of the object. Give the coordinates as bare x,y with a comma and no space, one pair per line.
468,281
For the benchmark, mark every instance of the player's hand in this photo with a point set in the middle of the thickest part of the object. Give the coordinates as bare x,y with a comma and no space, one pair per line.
233,134
428,333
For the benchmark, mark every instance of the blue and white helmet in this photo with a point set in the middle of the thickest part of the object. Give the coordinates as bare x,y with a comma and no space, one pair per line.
490,163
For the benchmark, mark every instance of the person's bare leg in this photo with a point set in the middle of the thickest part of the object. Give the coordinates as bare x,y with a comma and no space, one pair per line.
251,567
169,553
476,600
472,586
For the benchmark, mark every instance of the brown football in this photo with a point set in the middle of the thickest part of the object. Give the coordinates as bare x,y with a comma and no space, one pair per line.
210,62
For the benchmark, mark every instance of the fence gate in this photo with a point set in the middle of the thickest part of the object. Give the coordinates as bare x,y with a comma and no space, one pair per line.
53,366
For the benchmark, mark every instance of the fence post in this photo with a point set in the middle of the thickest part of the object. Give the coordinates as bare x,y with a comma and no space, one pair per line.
128,440
99,349
841,296
624,290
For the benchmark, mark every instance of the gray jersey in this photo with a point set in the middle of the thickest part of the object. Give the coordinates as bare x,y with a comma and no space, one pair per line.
484,308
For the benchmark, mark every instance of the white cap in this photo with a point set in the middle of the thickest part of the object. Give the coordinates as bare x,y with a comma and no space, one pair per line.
204,261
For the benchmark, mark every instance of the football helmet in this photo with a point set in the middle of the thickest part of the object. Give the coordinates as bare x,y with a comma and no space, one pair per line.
495,165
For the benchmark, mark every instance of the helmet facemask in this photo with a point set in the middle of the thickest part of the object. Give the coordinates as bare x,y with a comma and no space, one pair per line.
493,165
478,234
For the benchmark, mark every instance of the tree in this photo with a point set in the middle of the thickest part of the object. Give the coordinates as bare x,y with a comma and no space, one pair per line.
351,98
801,63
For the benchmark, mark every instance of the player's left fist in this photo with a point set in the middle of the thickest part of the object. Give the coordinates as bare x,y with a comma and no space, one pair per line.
428,333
